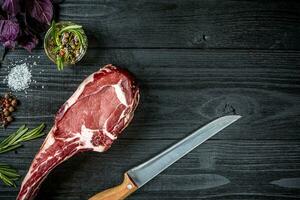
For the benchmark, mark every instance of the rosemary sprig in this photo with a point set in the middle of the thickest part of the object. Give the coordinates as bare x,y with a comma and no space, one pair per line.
8,175
21,135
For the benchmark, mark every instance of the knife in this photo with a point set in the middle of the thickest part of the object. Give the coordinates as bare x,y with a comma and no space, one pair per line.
141,174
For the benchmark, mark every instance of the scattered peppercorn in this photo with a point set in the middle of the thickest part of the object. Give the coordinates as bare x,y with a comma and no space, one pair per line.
11,109
6,113
8,104
14,102
9,118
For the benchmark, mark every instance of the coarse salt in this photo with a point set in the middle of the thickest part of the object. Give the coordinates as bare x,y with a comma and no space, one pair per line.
19,77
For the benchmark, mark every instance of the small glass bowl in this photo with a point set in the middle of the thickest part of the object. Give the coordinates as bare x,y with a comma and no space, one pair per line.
52,56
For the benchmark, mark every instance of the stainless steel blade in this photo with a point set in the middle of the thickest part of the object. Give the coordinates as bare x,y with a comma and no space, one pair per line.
148,170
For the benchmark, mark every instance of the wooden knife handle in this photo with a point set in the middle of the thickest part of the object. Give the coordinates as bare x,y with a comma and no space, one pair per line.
117,193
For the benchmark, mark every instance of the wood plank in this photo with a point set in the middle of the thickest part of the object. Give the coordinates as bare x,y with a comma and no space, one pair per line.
218,169
187,24
181,90
195,61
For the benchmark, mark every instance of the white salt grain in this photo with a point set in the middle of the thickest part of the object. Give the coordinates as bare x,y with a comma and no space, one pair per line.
19,77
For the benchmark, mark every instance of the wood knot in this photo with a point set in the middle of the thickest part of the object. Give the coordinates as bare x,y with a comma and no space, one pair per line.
227,104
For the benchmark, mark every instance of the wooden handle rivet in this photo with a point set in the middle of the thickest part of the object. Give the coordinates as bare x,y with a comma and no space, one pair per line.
119,192
129,186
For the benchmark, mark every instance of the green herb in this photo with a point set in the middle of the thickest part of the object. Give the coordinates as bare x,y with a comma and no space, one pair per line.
59,63
53,28
66,43
69,28
8,175
54,34
21,135
79,35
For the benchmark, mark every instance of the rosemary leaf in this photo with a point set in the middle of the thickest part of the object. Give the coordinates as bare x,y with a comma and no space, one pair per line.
34,133
21,135
5,142
17,135
6,180
9,148
8,175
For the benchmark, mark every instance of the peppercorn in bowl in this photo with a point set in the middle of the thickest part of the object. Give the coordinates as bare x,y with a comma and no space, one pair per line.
65,43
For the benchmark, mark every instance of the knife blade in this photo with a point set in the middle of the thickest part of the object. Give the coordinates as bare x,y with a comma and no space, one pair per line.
148,170
143,173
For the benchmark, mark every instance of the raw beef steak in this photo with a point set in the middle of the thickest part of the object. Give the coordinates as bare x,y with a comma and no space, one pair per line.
92,118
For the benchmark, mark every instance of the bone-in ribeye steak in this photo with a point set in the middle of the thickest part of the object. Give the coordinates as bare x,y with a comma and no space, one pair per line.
90,120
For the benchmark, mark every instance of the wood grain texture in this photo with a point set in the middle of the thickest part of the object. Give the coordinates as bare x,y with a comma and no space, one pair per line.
187,24
195,61
118,192
218,169
182,90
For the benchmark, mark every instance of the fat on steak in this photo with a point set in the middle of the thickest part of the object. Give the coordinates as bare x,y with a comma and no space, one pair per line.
91,119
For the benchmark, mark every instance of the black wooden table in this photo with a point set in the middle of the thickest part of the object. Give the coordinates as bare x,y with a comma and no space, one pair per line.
195,61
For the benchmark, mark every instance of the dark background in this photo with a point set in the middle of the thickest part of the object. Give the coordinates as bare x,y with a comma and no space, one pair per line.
195,61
